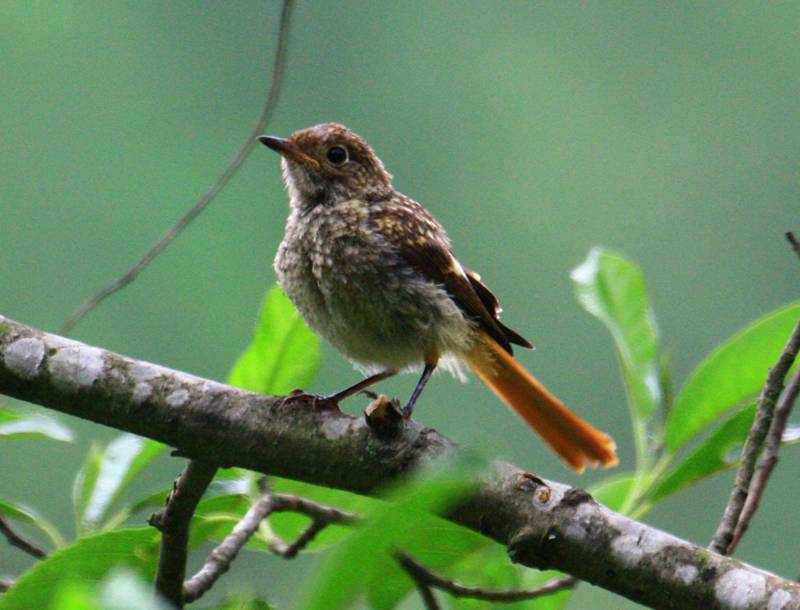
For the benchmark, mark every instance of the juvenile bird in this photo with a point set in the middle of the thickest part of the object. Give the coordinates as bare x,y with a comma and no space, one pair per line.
373,272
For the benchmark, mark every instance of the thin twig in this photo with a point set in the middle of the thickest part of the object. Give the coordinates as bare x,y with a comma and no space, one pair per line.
770,459
425,591
220,183
290,551
174,523
309,508
723,537
321,517
421,574
220,559
794,242
19,541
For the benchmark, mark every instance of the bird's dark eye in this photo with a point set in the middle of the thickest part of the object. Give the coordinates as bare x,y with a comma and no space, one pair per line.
337,155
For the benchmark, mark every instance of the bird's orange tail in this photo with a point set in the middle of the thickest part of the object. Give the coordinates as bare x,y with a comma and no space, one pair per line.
573,439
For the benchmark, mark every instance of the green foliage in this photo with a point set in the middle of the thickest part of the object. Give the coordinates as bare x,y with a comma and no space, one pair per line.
24,514
284,353
718,451
124,589
613,289
14,425
106,473
404,522
120,590
730,375
86,560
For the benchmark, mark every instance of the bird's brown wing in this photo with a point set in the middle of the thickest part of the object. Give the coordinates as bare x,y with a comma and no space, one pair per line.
493,306
422,243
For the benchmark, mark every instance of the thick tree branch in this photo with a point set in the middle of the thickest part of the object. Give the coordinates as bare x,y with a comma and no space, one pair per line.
723,537
544,526
19,541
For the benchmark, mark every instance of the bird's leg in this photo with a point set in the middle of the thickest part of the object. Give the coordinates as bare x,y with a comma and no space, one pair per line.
331,402
423,380
364,383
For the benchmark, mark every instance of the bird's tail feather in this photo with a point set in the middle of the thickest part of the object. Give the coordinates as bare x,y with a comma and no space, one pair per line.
576,441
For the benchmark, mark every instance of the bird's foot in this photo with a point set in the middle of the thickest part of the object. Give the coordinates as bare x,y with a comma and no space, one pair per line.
317,401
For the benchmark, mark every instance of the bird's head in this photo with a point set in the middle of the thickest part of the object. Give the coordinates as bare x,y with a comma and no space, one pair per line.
328,162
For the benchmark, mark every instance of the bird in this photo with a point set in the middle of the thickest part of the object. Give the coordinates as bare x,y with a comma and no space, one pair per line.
373,272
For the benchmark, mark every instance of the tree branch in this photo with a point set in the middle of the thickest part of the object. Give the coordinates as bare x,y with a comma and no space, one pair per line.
321,517
19,541
174,522
222,180
770,459
723,537
220,559
423,575
543,526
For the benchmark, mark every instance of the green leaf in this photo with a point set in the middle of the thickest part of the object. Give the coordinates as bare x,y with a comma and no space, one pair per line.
283,355
75,596
364,564
14,425
215,517
32,517
719,451
85,482
614,490
124,589
731,375
87,560
613,289
120,590
106,473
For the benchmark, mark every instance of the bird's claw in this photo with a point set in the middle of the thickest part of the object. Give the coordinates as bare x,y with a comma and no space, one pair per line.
317,401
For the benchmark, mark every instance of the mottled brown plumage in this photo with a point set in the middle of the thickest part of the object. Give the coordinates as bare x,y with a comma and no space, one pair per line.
374,272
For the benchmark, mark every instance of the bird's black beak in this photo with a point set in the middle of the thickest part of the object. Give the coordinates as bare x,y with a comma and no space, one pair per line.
286,149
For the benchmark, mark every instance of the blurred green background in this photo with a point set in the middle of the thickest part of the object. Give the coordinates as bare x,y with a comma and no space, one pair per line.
533,131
